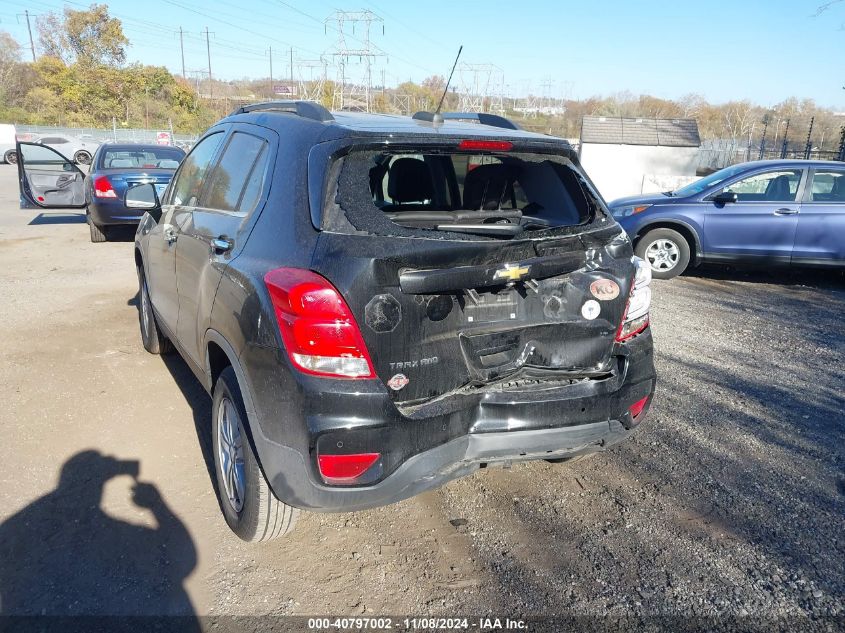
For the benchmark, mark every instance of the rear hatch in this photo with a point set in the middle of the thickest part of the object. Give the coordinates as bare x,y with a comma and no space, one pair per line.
468,268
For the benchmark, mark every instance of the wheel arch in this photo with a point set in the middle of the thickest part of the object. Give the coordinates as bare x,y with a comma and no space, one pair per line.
220,354
687,231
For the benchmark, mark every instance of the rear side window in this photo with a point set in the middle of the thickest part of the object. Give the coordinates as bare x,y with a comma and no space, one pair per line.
188,184
438,190
238,178
828,186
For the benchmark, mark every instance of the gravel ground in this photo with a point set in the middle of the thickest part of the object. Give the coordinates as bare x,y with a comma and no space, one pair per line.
729,501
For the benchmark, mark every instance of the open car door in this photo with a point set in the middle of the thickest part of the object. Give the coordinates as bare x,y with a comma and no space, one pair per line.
47,179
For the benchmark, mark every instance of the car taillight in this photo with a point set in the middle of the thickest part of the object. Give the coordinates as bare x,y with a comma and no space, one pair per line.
318,329
637,408
345,469
636,319
103,188
495,146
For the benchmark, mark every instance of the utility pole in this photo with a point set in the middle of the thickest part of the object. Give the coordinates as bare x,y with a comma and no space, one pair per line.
208,50
291,65
182,48
271,71
29,28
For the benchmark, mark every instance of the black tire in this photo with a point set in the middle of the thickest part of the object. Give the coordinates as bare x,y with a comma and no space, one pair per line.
98,233
254,514
666,251
82,157
11,157
570,460
153,340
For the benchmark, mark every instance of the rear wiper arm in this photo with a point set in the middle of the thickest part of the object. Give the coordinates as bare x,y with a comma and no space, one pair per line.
490,230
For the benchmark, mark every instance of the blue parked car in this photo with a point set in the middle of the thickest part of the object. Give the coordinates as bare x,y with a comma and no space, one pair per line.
772,212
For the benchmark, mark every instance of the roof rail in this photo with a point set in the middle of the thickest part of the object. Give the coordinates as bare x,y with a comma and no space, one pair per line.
306,109
484,118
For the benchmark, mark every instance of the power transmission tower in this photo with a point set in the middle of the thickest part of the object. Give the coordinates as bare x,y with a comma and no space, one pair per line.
354,78
311,75
479,87
527,105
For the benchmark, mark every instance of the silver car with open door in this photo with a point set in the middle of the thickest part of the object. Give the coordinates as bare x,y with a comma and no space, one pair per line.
48,179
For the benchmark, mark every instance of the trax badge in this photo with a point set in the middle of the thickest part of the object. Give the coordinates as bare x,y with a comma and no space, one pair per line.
590,310
604,289
398,381
511,272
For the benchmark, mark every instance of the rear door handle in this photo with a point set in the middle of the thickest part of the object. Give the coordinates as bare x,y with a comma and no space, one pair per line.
786,211
222,244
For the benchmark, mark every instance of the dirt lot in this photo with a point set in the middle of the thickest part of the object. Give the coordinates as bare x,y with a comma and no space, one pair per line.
730,499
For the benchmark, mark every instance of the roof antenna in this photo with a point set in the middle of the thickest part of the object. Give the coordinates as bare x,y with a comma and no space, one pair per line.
437,118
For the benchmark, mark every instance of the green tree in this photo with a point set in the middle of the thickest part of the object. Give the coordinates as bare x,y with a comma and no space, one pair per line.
10,57
89,37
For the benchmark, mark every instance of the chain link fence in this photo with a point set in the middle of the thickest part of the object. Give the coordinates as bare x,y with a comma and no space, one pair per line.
106,135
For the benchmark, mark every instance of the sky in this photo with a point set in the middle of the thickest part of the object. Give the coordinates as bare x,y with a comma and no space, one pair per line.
765,51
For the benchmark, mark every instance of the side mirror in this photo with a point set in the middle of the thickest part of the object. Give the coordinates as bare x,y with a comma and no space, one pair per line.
144,196
726,197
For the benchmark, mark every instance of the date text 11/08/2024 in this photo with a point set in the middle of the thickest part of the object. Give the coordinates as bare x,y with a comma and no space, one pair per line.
412,624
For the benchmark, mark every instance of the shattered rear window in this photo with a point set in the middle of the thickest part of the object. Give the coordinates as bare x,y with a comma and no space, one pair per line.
429,191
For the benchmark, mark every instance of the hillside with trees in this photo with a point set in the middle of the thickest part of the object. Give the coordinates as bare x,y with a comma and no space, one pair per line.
81,79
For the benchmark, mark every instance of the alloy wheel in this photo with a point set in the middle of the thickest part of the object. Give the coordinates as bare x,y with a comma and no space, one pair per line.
230,452
146,312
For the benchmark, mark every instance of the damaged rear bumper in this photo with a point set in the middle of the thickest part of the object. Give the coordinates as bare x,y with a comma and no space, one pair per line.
451,439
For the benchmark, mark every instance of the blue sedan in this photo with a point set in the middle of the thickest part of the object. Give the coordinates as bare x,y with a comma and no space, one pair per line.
775,212
117,168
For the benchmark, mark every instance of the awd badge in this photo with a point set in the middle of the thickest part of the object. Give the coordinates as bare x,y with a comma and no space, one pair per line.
398,382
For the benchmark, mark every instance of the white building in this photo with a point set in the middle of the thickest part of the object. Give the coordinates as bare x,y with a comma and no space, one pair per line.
625,157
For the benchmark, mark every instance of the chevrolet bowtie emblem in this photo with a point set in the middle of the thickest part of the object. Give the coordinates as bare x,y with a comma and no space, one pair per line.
511,272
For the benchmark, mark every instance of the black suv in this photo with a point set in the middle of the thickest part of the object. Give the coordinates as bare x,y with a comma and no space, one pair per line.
380,304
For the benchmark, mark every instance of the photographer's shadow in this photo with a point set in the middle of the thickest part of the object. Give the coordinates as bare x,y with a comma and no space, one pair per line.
62,555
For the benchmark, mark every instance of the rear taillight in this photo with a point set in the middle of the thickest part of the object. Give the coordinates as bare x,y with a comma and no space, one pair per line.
345,469
635,319
319,331
103,188
637,408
